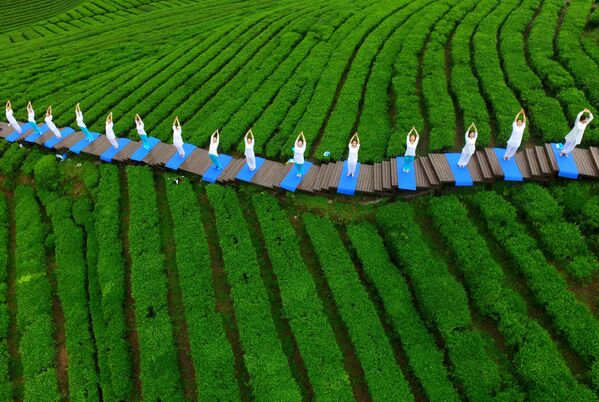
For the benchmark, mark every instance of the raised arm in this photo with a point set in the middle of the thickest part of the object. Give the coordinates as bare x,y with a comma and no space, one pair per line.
49,111
579,115
137,118
109,118
8,105
29,107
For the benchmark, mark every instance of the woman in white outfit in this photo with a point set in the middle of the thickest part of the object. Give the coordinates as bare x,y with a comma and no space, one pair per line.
139,125
81,124
411,143
110,132
31,119
250,157
515,140
574,137
213,150
470,146
177,139
51,124
352,157
298,154
11,119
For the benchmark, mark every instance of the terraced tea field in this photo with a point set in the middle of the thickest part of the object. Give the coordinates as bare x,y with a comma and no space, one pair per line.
117,284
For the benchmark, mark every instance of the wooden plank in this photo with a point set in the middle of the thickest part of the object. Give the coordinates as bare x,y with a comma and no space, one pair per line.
262,176
475,170
335,175
69,141
377,176
524,168
393,173
441,168
127,151
550,158
595,156
543,160
421,176
44,137
532,162
365,179
585,163
281,172
97,147
308,183
493,162
196,163
485,167
229,173
387,182
427,167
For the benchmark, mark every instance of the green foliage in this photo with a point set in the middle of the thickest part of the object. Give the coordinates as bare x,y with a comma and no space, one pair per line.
383,376
47,173
5,383
267,365
425,359
211,353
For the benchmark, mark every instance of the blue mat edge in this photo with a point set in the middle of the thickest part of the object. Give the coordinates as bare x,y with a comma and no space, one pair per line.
453,166
224,163
292,172
343,175
245,169
399,160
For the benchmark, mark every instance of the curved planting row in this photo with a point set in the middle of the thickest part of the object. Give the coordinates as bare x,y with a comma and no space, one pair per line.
271,377
546,115
383,376
211,353
304,309
464,83
158,357
571,317
536,357
425,358
560,239
486,59
34,301
5,383
111,278
444,302
405,81
71,281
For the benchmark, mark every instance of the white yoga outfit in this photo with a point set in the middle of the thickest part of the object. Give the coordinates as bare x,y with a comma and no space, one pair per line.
139,125
411,148
213,149
178,140
79,118
515,139
52,126
468,149
31,116
250,157
574,137
352,158
13,122
298,154
110,135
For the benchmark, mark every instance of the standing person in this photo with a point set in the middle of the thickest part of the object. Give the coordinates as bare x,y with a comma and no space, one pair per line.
250,157
352,157
31,119
51,124
411,143
139,125
213,150
469,147
298,154
110,132
177,139
574,137
515,140
81,124
11,119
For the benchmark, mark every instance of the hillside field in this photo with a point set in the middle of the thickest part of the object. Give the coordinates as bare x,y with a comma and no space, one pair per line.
116,284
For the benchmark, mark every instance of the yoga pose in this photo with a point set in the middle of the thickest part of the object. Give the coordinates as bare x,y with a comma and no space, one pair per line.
411,144
177,139
213,150
139,125
469,147
11,119
110,132
574,137
298,154
515,140
51,124
352,157
250,157
31,119
81,124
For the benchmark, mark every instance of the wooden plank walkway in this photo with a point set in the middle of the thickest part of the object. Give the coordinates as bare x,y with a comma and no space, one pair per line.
432,171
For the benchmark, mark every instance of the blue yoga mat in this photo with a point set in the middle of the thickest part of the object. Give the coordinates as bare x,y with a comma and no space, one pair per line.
111,152
245,174
15,134
511,171
461,175
291,181
347,185
176,160
212,173
566,166
35,134
141,153
65,132
83,143
405,181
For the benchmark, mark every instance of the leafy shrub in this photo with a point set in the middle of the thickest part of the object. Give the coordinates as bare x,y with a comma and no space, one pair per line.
47,173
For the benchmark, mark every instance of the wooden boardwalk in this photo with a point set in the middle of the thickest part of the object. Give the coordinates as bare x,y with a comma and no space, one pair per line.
431,171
